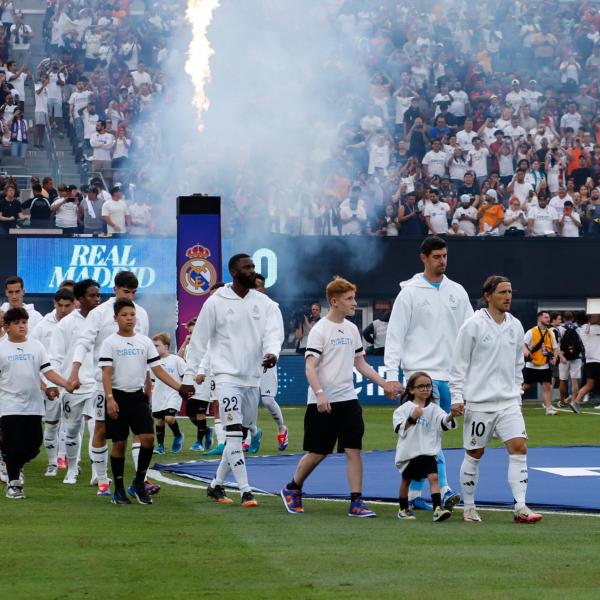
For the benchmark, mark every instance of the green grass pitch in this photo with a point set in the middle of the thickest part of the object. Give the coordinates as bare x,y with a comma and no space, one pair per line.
64,542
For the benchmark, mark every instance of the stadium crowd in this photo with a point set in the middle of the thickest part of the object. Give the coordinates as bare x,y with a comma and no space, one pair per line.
476,120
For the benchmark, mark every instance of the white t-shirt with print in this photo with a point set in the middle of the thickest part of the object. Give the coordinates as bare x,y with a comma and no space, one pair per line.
21,366
438,214
130,357
478,159
163,396
335,345
543,220
117,210
435,162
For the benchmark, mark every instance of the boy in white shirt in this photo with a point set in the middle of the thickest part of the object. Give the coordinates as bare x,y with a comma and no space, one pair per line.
166,403
487,375
125,358
419,423
333,414
22,362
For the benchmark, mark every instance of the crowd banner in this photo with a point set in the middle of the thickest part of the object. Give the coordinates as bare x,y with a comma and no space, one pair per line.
198,254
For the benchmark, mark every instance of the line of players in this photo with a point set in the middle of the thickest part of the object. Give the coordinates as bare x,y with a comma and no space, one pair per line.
72,347
241,330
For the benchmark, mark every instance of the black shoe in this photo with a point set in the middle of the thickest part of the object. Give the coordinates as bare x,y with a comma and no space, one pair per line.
139,492
120,497
217,493
248,500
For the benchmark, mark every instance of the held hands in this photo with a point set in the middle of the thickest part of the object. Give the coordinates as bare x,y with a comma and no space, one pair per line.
457,409
52,393
392,389
269,361
186,391
416,412
199,379
73,384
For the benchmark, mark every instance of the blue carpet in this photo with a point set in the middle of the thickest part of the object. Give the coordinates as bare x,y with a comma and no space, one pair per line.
573,486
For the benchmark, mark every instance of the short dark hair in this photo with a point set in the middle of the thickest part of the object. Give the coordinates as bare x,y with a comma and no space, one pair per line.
260,276
15,314
102,122
66,283
81,287
126,279
490,285
47,180
554,315
12,280
542,312
431,243
121,304
568,315
233,261
36,188
64,294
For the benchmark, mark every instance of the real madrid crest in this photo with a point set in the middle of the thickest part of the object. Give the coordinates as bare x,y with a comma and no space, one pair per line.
197,274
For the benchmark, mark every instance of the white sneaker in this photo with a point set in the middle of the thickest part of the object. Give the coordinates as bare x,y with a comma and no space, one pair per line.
3,473
15,491
470,515
526,515
21,478
71,477
94,480
551,412
51,471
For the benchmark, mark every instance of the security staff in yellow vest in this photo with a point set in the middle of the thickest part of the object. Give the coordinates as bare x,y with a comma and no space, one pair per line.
541,352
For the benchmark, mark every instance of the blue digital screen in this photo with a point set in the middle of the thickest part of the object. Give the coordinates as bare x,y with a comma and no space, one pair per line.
44,262
293,386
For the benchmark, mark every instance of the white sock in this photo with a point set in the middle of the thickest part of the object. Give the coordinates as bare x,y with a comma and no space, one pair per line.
219,431
135,452
223,471
91,424
72,443
51,442
100,463
235,456
469,476
274,409
62,439
444,490
517,478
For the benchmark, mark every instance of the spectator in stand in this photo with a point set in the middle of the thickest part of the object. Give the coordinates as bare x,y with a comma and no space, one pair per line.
48,189
19,39
90,212
56,83
120,157
140,213
78,100
353,215
10,209
7,10
569,221
115,212
491,214
18,135
542,220
593,216
40,215
17,77
464,221
41,111
102,144
477,159
65,209
515,220
436,214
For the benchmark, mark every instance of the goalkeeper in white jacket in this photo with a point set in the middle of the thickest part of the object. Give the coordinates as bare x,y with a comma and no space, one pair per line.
486,378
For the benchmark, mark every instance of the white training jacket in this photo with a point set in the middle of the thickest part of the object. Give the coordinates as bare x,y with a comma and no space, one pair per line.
42,332
34,316
99,324
62,348
487,363
240,332
423,327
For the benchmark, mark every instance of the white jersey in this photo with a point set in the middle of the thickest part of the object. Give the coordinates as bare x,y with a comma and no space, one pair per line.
590,336
62,347
163,396
130,357
100,323
241,331
423,438
21,366
487,363
34,316
423,327
335,346
44,329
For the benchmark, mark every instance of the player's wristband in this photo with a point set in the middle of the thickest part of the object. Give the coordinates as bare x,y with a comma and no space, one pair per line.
318,392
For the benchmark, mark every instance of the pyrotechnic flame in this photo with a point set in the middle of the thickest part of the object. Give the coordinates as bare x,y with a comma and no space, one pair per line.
199,14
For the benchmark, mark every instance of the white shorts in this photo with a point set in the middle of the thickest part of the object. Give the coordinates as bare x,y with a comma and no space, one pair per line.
53,409
207,391
479,427
570,370
76,406
268,383
238,405
98,409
